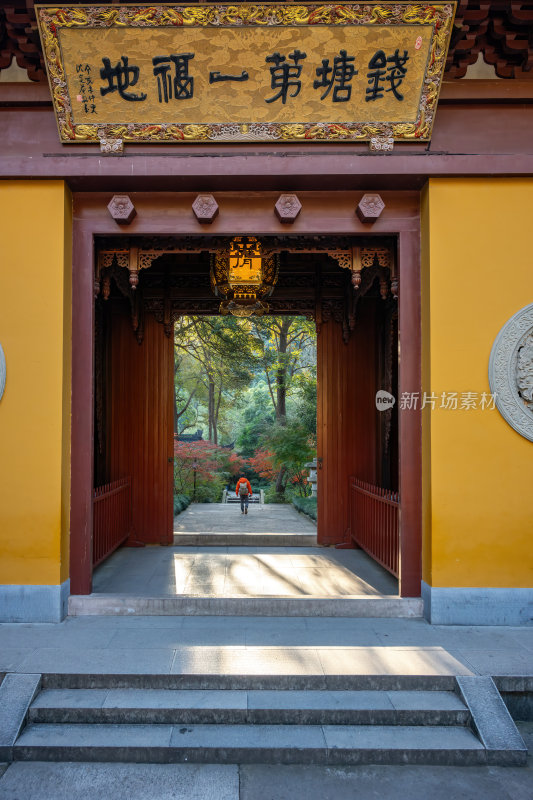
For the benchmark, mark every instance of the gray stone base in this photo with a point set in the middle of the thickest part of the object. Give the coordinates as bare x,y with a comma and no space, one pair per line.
266,606
34,603
477,606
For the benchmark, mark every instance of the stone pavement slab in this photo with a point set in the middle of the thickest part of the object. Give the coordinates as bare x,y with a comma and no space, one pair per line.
12,657
140,661
302,645
391,661
42,781
247,661
399,737
256,572
244,737
98,736
227,518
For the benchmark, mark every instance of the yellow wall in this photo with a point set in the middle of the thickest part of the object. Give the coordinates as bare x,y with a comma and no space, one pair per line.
478,500
35,321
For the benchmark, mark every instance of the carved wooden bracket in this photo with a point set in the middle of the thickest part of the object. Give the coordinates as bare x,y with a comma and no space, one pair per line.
357,259
344,258
133,259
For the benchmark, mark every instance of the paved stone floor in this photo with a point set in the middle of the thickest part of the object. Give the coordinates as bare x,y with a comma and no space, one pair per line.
243,571
227,518
263,645
210,571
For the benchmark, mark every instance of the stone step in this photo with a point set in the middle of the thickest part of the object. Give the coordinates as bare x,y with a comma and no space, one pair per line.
270,719
244,744
287,707
267,606
217,681
243,539
234,499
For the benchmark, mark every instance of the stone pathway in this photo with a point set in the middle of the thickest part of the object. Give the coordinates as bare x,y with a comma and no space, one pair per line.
263,645
227,518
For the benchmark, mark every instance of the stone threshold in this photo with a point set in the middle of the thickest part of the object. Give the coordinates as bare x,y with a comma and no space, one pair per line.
267,606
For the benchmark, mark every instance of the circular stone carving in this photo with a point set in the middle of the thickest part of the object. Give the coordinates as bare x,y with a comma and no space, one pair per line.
2,372
511,372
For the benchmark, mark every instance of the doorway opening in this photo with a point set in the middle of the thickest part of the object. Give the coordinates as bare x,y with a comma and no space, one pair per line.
245,407
137,411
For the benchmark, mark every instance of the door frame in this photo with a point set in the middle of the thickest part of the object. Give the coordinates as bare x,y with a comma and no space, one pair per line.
324,213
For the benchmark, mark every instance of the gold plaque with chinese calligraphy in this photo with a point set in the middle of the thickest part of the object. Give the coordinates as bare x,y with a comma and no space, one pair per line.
244,262
246,72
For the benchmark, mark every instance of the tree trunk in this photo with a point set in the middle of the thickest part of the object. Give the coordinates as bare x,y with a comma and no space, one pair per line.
175,400
216,409
281,391
280,486
281,373
211,412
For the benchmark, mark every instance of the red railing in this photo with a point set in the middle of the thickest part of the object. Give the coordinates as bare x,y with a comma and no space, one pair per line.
111,517
374,519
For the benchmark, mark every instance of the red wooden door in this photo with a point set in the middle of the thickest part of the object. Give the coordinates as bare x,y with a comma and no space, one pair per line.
347,433
141,423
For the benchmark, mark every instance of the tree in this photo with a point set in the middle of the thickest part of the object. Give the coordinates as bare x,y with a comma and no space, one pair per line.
224,353
253,417
262,462
289,446
288,347
202,464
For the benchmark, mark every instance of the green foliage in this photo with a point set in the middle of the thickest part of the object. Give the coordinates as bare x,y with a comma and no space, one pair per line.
181,501
211,492
215,359
291,447
306,505
254,418
271,496
304,404
287,349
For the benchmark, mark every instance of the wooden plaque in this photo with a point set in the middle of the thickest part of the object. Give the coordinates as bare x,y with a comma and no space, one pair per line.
246,72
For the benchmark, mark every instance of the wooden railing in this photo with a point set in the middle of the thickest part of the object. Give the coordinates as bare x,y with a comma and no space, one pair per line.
111,517
374,520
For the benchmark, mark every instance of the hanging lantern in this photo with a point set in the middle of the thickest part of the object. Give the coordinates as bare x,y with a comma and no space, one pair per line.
243,275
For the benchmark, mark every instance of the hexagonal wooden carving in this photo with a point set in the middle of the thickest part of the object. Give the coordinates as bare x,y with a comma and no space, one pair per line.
370,207
287,208
205,208
121,209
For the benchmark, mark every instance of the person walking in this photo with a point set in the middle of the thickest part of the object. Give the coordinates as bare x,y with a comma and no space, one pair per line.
244,491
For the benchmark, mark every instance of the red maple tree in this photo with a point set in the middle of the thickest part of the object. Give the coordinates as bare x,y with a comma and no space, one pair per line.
262,463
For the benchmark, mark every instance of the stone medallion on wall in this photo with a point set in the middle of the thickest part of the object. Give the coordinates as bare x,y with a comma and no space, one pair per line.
511,371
